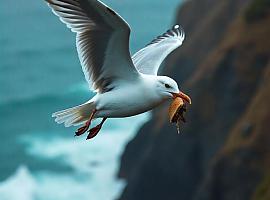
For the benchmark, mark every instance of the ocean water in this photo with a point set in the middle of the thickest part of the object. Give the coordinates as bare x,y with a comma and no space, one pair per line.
39,74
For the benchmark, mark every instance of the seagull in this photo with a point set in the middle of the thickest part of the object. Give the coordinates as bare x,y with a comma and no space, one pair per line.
124,85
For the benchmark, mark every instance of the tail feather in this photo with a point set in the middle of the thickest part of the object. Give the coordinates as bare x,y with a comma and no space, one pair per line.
74,116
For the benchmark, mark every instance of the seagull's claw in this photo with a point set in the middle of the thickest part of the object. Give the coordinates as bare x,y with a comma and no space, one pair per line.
82,129
93,132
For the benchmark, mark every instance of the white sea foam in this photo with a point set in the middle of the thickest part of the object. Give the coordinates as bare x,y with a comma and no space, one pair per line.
20,186
94,163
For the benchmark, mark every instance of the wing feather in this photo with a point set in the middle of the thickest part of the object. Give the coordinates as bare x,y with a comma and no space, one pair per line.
148,59
102,41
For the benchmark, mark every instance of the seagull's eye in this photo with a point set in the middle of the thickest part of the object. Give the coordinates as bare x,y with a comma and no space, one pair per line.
167,85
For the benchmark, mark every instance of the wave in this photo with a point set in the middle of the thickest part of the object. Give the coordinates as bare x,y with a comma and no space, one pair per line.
94,164
24,185
20,186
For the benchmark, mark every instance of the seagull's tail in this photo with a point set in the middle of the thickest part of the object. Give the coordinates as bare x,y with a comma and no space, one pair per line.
74,116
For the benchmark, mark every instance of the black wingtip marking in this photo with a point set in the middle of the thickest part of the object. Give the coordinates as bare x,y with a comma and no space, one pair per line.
111,11
176,29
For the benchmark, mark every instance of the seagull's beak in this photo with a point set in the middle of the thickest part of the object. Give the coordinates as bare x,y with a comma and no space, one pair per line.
182,96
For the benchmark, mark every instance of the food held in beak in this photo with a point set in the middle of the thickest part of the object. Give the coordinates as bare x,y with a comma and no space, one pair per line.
176,112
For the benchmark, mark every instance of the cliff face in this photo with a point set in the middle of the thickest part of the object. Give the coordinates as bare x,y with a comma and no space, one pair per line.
224,150
241,168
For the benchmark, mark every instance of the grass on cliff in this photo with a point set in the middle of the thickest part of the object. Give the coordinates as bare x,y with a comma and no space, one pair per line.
262,191
257,10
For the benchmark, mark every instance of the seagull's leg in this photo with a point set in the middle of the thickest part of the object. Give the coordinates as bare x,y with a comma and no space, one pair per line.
94,131
84,128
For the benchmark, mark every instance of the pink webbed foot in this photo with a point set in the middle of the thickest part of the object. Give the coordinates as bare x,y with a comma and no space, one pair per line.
94,131
83,129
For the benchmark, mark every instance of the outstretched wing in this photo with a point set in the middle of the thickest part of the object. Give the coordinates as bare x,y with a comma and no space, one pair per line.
102,41
148,59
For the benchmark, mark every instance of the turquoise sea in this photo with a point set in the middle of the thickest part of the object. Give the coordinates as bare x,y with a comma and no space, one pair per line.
39,74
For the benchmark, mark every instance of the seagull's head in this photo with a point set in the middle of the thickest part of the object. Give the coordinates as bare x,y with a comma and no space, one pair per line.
168,88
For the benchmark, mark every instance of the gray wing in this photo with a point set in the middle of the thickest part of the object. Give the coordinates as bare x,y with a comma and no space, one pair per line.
148,59
102,41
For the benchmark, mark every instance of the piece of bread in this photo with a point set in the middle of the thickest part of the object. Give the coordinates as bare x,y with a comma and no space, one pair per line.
174,108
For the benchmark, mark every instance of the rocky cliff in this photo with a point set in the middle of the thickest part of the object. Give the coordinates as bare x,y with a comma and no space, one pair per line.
224,151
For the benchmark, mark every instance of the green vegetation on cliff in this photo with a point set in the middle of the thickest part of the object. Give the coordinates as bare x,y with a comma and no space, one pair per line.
257,9
263,190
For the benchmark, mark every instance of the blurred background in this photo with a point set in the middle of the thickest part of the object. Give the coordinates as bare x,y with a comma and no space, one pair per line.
223,151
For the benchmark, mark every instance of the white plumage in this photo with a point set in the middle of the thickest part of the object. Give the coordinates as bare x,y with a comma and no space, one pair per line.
125,86
148,59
